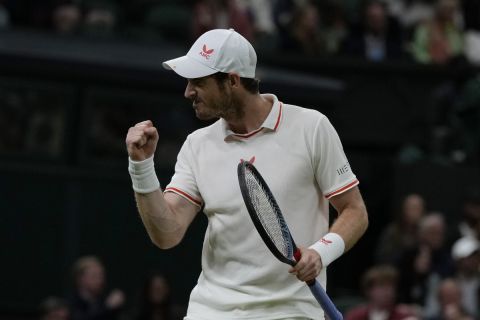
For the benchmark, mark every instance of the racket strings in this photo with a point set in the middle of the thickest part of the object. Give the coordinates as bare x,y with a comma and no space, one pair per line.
267,213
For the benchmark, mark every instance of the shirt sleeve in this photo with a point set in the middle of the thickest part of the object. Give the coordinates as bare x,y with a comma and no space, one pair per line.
183,181
332,170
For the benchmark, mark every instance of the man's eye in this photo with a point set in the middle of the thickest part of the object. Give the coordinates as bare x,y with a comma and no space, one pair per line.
198,81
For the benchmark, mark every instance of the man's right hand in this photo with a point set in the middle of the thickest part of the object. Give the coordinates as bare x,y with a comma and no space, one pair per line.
141,140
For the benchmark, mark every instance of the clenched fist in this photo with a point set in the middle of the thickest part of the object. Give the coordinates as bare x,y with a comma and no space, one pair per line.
142,140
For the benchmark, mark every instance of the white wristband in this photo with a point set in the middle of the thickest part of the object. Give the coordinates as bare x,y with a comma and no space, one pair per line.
144,178
330,247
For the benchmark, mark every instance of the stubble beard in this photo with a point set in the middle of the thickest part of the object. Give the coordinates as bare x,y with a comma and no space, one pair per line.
228,107
231,108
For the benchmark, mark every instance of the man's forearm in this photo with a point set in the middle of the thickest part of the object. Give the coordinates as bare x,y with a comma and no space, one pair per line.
351,224
159,220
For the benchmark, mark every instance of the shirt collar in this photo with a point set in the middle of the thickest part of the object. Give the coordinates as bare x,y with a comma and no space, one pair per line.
271,123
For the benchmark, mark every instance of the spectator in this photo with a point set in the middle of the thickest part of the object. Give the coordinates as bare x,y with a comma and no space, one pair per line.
335,26
262,16
155,301
304,35
411,13
377,38
379,286
439,40
423,267
469,225
450,298
54,308
466,254
265,33
471,13
401,235
100,19
221,14
67,18
88,301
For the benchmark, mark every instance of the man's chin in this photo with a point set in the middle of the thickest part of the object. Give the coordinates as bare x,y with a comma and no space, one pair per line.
205,116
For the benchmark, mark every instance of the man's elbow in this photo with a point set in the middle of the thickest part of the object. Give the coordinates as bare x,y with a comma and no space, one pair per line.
363,218
166,243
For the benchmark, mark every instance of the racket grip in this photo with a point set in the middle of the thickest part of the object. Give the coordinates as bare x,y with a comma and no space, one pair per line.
319,293
327,305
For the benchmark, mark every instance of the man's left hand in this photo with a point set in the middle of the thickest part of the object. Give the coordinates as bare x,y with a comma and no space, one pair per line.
309,266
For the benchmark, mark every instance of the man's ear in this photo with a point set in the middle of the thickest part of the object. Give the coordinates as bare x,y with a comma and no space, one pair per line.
234,80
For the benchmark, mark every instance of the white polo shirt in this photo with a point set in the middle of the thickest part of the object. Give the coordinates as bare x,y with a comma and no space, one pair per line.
300,156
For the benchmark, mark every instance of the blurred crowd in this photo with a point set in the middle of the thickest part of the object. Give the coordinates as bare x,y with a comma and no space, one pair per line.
90,299
426,31
426,266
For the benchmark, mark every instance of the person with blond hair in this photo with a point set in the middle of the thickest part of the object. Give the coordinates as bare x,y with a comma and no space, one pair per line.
379,284
89,300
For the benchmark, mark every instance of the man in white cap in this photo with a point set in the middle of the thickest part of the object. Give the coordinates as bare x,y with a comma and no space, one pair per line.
300,156
466,254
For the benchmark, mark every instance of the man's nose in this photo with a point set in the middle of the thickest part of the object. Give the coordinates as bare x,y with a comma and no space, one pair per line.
189,91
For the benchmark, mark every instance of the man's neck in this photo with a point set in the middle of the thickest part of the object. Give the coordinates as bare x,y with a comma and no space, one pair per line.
256,109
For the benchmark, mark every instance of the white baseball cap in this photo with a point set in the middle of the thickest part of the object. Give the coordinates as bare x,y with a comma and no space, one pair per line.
464,247
218,50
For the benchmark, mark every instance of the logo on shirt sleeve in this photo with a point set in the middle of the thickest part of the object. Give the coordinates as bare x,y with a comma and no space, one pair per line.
343,169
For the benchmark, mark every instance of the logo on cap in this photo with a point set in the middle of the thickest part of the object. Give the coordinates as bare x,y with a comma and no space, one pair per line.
206,52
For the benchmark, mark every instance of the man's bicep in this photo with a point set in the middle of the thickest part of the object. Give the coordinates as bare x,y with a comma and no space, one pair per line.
184,210
349,198
353,217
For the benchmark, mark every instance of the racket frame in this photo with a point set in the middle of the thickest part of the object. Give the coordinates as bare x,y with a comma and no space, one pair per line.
294,254
245,165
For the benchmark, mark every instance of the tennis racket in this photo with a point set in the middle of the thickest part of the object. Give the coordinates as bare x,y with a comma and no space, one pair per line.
271,226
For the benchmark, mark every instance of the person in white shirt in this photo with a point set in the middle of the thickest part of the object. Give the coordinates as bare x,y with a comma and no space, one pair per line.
299,154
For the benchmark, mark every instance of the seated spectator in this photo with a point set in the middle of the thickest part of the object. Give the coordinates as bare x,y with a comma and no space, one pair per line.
439,40
379,285
264,29
304,36
262,16
450,301
100,19
471,13
155,301
221,14
53,308
334,27
377,38
468,226
89,301
67,18
411,13
401,235
466,254
423,267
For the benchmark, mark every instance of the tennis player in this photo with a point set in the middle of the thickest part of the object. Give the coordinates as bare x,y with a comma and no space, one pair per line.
298,153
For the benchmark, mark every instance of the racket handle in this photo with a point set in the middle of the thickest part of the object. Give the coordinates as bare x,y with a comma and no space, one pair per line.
320,294
327,305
